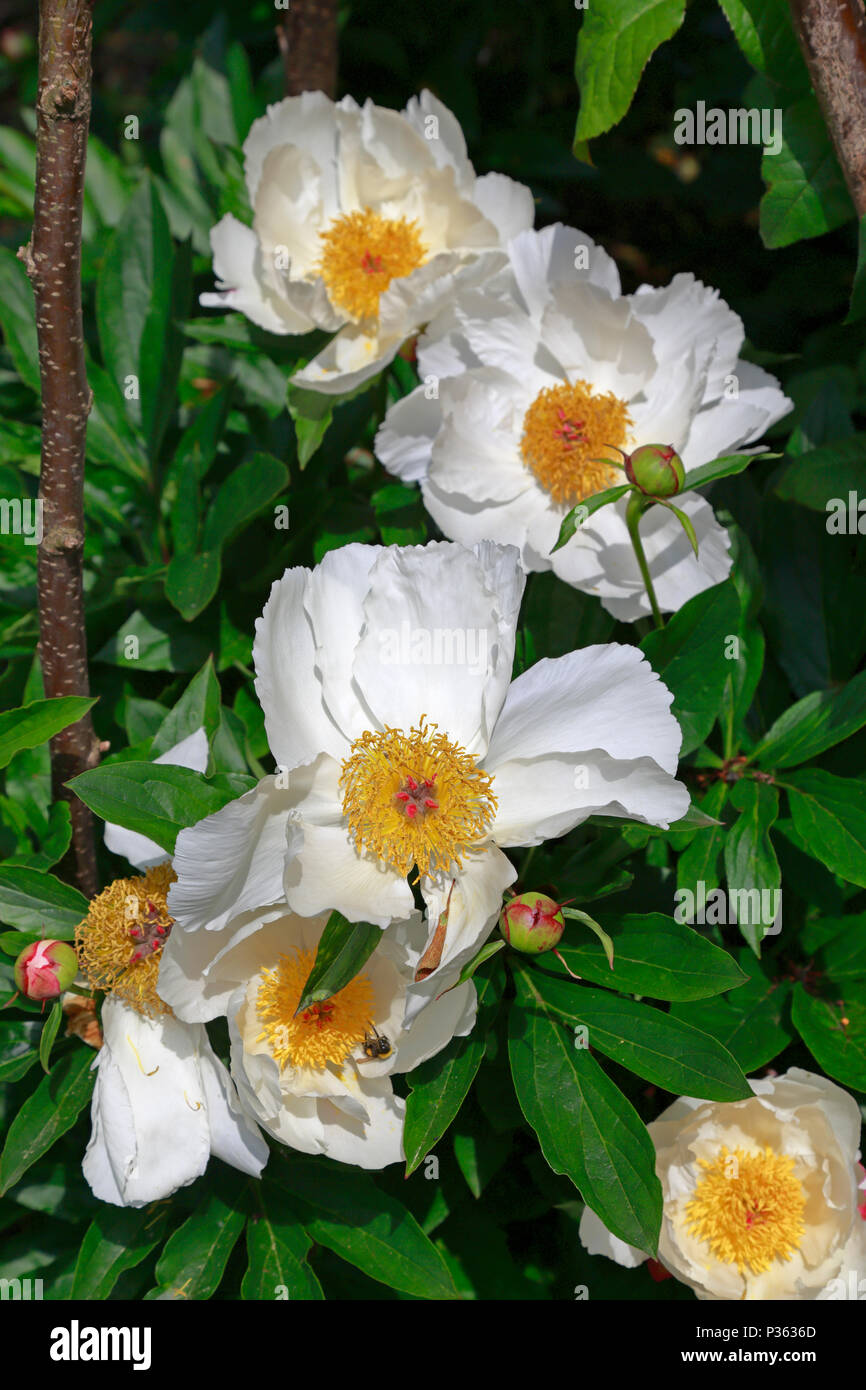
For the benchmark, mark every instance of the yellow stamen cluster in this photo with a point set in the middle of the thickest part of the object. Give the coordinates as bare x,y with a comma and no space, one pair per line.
748,1207
415,798
129,912
565,431
362,252
325,1032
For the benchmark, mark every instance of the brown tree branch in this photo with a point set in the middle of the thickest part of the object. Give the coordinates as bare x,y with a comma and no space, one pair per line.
308,43
832,35
53,261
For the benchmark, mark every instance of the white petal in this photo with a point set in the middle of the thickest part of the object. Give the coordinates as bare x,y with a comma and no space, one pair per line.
148,1070
685,314
373,1144
241,285
545,797
308,120
527,521
596,1239
233,1137
604,697
440,637
509,205
287,685
447,147
334,602
352,357
327,873
233,861
405,438
451,1016
473,905
544,261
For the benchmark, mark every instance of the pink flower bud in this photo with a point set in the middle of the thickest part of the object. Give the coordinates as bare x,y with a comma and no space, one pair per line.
45,969
532,923
656,469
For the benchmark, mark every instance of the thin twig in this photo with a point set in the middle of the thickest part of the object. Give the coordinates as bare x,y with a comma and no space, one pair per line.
53,262
308,43
832,35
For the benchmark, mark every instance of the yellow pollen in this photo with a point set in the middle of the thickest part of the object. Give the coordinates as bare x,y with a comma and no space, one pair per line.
564,431
415,798
120,940
362,252
748,1207
324,1033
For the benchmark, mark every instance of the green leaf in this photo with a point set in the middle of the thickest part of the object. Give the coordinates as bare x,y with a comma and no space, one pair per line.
827,475
246,492
36,902
196,1254
346,1212
764,31
117,1239
490,948
829,815
277,1247
139,297
857,307
18,318
586,1127
660,1048
751,866
36,723
49,1033
844,957
689,655
192,581
806,193
723,467
51,1110
574,914
145,644
439,1086
813,724
312,413
835,1034
198,444
615,43
155,800
344,948
18,1043
749,1021
654,956
584,510
197,708
699,862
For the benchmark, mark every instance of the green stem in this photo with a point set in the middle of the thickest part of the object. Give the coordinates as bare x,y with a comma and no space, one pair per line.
637,505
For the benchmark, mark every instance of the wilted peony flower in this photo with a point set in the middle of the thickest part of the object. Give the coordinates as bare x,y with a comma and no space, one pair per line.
760,1196
546,375
319,1082
405,749
163,1101
365,220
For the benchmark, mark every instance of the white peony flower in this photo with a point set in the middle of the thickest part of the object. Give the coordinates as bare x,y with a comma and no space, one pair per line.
309,1080
163,1102
365,220
547,371
760,1196
402,744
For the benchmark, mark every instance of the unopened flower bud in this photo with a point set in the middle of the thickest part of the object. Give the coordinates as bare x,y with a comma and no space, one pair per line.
532,923
656,469
45,969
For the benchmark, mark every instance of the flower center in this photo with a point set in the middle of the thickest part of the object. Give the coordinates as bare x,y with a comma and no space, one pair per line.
325,1032
120,940
748,1207
566,430
415,798
362,253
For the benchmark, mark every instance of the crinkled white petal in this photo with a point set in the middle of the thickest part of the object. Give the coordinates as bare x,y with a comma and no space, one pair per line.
596,1239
